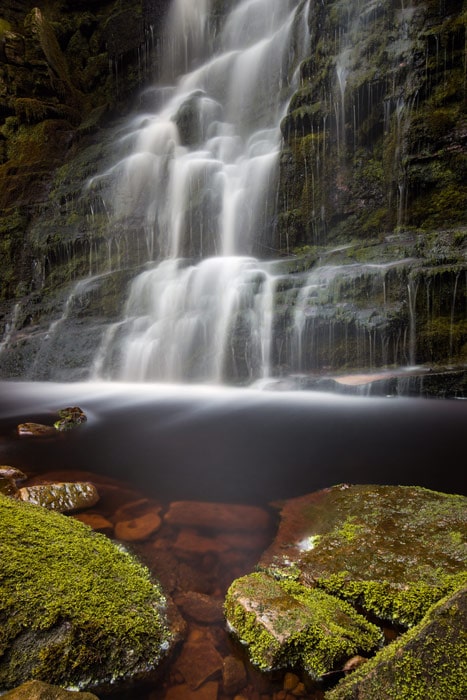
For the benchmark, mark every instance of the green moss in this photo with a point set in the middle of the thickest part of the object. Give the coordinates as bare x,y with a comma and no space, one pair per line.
94,603
429,661
350,530
285,623
404,605
5,26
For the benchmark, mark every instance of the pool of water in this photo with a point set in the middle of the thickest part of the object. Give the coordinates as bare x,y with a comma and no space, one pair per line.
238,445
168,443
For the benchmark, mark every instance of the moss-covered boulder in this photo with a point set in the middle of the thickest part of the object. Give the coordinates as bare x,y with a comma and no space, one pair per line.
346,555
284,623
429,661
37,690
392,550
75,609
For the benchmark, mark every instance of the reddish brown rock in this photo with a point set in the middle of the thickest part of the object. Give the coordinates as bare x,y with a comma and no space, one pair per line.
139,528
200,607
208,691
245,542
137,520
35,430
189,543
96,522
234,676
198,662
219,516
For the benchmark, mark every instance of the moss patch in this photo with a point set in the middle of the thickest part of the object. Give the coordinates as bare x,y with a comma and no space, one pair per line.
75,610
429,661
284,623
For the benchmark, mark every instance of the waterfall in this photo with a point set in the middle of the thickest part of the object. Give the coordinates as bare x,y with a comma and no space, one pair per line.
200,176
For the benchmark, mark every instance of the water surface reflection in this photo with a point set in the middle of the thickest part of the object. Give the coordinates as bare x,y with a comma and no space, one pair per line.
237,445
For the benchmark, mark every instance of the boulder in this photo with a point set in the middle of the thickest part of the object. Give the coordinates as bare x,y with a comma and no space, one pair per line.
429,661
345,555
37,690
77,610
393,550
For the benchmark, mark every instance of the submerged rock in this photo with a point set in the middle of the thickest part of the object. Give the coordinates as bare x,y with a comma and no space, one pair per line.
137,520
77,610
64,497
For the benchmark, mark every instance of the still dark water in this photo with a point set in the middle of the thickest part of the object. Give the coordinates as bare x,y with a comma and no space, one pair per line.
238,445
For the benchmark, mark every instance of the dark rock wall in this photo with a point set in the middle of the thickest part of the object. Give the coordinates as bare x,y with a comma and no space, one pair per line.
376,136
66,69
374,146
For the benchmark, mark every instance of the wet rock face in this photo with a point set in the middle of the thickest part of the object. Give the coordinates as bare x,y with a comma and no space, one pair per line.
377,114
63,72
374,144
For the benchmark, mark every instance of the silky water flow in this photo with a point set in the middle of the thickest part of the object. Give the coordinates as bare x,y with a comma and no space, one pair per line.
202,170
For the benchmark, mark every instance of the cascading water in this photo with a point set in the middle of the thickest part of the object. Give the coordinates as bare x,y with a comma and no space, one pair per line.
201,172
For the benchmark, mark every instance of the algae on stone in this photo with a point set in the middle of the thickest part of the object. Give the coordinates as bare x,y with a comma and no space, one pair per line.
75,609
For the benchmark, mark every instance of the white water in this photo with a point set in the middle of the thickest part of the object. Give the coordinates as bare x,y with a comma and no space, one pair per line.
201,173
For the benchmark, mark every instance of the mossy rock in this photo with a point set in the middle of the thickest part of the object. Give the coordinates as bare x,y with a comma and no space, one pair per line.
392,550
429,661
284,624
75,609
349,554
